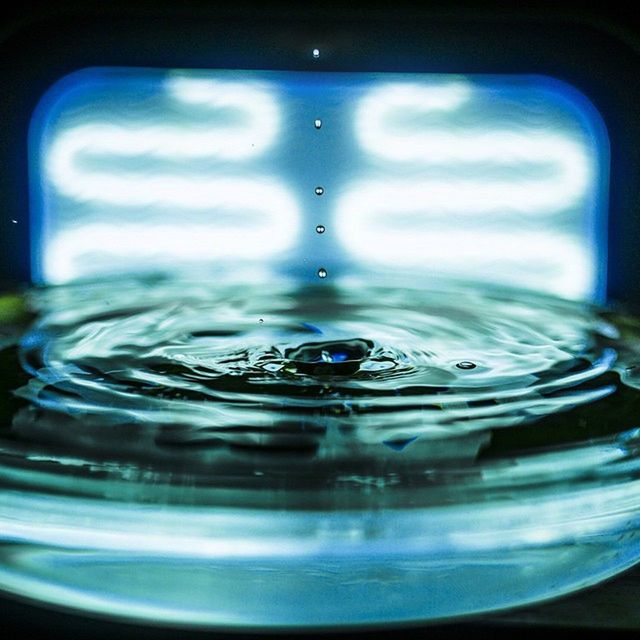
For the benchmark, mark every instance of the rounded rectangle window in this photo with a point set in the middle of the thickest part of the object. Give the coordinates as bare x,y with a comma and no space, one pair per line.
497,178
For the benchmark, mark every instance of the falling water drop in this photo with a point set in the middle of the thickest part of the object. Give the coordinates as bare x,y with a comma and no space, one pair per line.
320,228
316,53
317,123
261,321
322,272
319,191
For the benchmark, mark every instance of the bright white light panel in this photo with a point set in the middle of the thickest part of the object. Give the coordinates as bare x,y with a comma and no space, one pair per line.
501,179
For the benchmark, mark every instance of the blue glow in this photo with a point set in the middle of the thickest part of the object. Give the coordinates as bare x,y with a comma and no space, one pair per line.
495,178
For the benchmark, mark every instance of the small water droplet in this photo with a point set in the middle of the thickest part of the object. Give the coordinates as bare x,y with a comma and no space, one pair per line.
317,123
316,53
466,364
14,221
261,321
322,272
319,191
320,228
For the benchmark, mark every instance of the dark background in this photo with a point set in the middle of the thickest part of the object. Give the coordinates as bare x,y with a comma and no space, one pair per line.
595,49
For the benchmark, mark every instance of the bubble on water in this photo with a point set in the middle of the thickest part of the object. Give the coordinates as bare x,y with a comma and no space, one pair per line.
317,123
339,358
322,272
316,53
320,228
466,364
319,191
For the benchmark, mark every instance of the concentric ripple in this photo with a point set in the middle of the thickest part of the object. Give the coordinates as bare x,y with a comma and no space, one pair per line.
339,372
277,454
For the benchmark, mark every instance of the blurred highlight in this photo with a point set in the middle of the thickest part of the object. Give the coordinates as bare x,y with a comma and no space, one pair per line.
477,198
501,179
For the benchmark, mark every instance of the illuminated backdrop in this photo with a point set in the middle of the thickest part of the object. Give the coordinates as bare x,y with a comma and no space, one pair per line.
495,178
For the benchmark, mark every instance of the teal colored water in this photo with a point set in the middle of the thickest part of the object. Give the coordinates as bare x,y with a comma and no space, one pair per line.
358,451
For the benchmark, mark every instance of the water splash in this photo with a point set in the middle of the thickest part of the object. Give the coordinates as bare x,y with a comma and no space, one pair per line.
341,432
188,363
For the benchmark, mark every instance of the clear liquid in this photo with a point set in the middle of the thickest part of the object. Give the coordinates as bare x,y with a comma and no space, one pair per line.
330,376
332,398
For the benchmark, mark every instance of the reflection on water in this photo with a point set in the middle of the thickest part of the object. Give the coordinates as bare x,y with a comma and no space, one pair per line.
335,397
176,369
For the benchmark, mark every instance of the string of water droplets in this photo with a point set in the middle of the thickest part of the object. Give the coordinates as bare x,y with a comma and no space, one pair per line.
319,190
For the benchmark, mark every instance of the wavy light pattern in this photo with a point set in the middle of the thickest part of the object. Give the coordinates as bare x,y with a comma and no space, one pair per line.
135,216
505,203
495,178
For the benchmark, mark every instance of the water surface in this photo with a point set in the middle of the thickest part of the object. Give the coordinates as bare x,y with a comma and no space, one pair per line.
292,455
313,386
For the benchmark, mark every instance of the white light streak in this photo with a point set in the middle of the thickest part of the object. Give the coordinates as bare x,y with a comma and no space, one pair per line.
249,217
433,146
543,260
414,222
466,197
264,222
256,133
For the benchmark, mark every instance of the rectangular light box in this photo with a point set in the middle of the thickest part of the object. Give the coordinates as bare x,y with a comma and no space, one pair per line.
502,179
